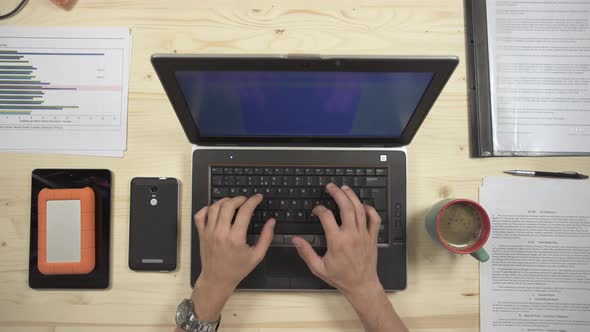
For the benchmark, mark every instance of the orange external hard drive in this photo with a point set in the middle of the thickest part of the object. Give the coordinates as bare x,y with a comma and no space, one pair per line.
66,231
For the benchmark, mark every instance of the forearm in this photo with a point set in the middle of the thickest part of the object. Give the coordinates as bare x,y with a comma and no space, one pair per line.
375,311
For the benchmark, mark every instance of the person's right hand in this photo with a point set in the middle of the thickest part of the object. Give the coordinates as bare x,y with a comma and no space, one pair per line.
350,263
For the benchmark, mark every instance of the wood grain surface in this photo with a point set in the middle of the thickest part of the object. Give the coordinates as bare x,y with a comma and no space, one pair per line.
443,289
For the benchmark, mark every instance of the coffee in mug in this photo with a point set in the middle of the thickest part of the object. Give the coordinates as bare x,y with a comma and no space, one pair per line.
462,226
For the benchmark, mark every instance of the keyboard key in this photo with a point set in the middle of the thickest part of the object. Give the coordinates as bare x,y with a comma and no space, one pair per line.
359,171
289,171
258,171
330,171
282,192
300,216
238,170
349,171
252,180
298,228
299,171
256,217
246,192
241,180
307,204
277,239
339,171
269,192
273,204
368,201
268,171
319,171
278,171
219,192
358,181
284,204
264,181
299,181
365,193
305,193
357,192
312,181
381,171
330,204
347,181
309,171
229,180
317,192
248,171
265,216
383,216
323,180
370,172
293,192
233,192
308,238
228,170
375,181
287,238
217,180
295,204
216,170
320,241
380,198
276,181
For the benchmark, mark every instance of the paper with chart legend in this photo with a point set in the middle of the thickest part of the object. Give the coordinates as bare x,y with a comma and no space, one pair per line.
64,90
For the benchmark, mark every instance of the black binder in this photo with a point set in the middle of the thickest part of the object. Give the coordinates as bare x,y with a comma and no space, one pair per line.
478,76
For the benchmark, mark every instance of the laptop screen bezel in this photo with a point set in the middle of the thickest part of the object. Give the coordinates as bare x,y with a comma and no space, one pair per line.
166,67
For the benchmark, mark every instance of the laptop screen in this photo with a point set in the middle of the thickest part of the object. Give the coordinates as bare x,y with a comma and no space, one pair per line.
302,103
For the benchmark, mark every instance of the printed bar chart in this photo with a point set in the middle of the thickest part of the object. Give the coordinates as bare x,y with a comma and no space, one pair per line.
64,88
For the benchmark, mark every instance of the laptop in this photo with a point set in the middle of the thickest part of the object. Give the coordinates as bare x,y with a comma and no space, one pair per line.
285,126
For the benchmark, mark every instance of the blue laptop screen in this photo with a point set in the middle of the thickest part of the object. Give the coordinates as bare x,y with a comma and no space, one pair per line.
302,104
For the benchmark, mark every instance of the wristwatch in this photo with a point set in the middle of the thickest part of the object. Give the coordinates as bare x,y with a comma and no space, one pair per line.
187,320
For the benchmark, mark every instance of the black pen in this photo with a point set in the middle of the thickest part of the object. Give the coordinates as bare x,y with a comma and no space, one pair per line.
559,175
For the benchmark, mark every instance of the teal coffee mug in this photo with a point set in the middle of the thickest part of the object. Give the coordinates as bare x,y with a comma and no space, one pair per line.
460,225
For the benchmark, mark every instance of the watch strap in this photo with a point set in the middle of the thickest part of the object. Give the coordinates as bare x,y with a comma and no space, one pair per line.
197,325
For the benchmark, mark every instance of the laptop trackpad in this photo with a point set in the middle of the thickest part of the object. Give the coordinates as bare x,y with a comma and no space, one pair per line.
285,262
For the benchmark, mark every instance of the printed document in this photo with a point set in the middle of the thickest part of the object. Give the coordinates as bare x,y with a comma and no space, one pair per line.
64,90
538,276
539,54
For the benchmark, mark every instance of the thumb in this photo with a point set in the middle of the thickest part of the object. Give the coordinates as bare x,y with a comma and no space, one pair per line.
265,239
309,256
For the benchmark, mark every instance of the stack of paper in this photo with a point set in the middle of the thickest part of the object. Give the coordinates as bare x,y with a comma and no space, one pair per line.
64,90
538,277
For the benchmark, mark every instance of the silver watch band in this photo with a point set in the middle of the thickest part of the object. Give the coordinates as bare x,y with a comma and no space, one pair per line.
197,325
187,319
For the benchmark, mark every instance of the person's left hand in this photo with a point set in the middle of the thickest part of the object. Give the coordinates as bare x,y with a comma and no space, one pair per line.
226,259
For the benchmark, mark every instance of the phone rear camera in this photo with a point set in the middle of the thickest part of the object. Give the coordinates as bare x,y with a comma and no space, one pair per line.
153,189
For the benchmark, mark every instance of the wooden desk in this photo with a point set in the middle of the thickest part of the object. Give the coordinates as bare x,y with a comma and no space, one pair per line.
443,290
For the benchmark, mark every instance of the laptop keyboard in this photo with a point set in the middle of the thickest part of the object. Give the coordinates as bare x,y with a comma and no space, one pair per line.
290,193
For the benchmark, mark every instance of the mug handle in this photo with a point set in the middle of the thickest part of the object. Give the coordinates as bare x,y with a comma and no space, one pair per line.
481,255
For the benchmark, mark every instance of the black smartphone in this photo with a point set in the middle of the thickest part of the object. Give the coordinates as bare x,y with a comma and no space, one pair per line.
153,220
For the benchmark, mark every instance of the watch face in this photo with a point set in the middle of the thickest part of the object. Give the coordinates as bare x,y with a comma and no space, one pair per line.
183,312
